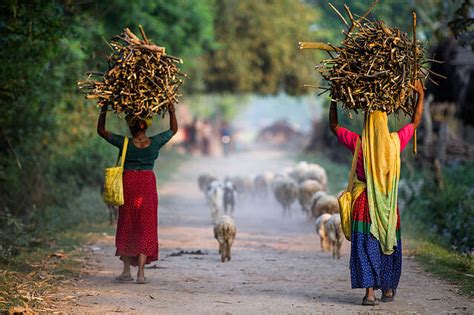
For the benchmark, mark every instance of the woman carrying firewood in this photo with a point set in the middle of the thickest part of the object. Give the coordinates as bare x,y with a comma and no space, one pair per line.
376,248
137,226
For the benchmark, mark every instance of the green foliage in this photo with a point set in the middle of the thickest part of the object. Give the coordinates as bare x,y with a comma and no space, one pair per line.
447,214
257,47
184,27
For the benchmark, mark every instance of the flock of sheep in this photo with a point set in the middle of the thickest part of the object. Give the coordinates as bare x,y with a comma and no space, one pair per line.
305,183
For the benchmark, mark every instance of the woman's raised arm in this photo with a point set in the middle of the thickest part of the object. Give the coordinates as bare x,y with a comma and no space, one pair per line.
417,115
173,120
101,124
333,120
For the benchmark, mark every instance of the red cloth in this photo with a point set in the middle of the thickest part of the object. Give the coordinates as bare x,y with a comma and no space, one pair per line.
349,140
137,226
361,213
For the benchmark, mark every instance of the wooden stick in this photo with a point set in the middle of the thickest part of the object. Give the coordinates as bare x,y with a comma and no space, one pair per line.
415,70
132,36
368,10
316,45
142,31
339,14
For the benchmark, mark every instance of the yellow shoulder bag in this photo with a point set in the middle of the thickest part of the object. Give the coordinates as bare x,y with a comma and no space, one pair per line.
113,181
345,200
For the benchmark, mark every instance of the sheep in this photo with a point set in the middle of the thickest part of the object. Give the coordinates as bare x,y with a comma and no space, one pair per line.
305,192
314,199
204,180
335,234
325,204
262,183
229,197
243,185
297,172
316,172
304,171
225,232
215,197
321,231
285,190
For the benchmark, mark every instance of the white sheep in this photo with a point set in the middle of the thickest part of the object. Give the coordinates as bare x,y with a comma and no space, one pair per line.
297,172
306,190
325,204
215,197
316,172
204,180
304,171
335,234
285,190
321,231
225,232
314,199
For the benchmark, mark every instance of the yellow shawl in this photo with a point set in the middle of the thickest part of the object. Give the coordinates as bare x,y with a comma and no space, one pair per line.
382,171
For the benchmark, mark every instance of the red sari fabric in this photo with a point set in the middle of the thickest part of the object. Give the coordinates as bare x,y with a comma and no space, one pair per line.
137,226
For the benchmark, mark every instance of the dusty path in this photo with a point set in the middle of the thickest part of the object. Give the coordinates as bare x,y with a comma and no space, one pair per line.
276,267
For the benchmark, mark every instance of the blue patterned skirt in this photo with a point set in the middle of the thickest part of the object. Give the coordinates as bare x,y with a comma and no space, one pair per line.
370,268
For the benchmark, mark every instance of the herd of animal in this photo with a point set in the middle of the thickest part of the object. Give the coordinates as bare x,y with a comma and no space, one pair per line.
305,183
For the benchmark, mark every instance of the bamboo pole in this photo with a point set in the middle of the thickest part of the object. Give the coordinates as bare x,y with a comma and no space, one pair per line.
415,73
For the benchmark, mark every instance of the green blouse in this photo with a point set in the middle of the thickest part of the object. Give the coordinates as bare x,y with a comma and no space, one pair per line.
141,159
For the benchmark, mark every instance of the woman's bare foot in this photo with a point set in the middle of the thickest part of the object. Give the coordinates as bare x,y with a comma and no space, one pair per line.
126,275
141,267
369,298
388,293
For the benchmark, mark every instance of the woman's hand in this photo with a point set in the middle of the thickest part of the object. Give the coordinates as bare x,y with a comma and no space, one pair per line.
171,108
333,120
418,88
418,113
101,123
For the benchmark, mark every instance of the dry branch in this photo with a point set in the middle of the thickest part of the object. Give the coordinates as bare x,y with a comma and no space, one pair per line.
141,80
374,67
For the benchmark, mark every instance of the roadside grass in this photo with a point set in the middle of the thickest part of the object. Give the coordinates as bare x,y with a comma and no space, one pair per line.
428,248
455,268
55,253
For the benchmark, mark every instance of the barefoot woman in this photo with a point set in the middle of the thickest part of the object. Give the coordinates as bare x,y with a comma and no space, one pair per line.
376,248
137,227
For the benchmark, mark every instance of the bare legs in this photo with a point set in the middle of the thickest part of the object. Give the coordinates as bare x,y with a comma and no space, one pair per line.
141,267
126,267
370,294
126,273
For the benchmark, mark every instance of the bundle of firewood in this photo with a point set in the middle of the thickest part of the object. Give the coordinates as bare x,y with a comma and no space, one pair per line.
142,80
374,68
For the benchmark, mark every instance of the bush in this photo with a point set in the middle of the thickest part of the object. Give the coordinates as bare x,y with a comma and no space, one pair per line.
447,214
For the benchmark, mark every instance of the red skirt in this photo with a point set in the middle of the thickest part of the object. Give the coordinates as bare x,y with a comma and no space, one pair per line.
137,226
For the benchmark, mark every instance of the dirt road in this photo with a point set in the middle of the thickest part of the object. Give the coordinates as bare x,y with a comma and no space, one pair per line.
277,266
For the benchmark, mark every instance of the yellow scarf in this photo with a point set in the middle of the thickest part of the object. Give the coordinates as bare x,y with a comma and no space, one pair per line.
382,171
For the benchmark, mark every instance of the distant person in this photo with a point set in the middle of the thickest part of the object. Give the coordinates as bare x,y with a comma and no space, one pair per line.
376,247
192,135
226,137
136,238
206,137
